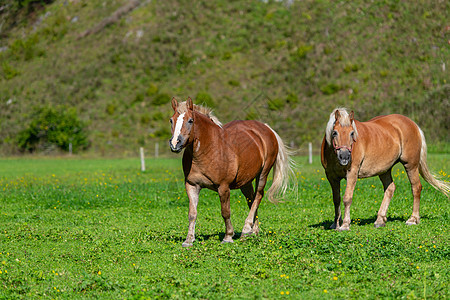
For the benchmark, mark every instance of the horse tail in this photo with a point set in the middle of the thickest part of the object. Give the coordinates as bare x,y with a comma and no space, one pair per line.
282,170
443,186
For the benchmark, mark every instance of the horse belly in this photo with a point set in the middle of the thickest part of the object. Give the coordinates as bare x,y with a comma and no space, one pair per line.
374,167
246,172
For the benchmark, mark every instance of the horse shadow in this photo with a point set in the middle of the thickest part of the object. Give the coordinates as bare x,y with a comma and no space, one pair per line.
362,222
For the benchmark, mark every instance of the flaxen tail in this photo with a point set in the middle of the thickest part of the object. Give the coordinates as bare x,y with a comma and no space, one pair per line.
443,186
282,171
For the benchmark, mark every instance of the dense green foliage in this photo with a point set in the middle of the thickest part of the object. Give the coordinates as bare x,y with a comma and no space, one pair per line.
286,64
74,229
53,127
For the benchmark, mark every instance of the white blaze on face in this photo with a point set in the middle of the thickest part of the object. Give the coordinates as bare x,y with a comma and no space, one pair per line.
177,130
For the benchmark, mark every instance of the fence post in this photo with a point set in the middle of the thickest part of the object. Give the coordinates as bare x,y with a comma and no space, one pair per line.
310,152
156,150
142,159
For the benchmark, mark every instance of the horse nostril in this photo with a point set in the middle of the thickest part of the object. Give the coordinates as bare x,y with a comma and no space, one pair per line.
176,145
172,146
344,155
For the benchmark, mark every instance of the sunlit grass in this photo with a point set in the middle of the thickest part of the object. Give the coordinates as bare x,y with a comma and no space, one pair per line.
102,228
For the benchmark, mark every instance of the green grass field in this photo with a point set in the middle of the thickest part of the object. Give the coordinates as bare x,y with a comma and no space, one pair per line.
85,228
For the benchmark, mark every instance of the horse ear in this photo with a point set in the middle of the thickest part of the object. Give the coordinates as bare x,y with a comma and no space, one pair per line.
174,103
352,117
337,115
190,104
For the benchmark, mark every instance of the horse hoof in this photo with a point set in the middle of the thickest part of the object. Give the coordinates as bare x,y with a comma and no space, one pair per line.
378,225
342,228
227,241
246,234
187,244
412,221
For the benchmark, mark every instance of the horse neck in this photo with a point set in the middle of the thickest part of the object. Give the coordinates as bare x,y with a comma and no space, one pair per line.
206,134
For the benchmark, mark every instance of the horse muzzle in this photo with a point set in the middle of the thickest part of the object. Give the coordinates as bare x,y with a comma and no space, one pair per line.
344,156
178,146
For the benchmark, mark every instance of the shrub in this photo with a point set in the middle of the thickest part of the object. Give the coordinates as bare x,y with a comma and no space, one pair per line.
301,51
8,71
50,127
152,89
161,99
110,109
251,115
234,82
330,89
26,49
205,99
275,104
158,116
145,119
292,98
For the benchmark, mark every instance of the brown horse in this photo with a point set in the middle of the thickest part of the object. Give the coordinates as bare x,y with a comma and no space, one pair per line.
352,150
227,157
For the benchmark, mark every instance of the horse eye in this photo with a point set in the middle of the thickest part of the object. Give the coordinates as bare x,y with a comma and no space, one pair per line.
334,133
352,134
170,121
190,121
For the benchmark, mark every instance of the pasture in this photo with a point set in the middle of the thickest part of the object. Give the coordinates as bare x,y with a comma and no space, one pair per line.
100,228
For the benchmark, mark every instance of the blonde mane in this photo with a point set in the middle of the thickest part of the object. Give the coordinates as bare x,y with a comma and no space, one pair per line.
344,121
182,108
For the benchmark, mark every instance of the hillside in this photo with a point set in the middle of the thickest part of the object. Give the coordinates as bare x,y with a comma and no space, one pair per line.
285,63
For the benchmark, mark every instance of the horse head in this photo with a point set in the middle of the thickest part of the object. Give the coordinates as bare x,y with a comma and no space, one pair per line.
182,123
343,135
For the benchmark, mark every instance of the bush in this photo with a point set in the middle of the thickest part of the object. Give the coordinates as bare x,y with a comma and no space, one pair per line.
275,104
161,99
205,99
26,49
53,127
330,89
8,71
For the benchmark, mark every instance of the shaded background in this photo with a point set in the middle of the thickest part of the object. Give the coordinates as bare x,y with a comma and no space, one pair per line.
100,74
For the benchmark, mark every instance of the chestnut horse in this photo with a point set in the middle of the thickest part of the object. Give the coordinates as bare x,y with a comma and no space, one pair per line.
352,150
227,157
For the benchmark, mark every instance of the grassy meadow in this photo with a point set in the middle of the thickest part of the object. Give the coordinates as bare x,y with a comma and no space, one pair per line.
101,228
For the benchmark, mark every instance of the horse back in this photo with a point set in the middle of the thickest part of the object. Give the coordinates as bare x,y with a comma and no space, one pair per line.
399,126
384,140
253,146
250,136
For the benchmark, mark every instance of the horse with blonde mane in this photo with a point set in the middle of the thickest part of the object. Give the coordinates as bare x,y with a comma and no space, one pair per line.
223,157
353,149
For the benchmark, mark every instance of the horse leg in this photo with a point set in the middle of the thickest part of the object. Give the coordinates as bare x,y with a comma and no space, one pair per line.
348,197
192,191
416,186
336,189
224,194
252,215
249,194
389,188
